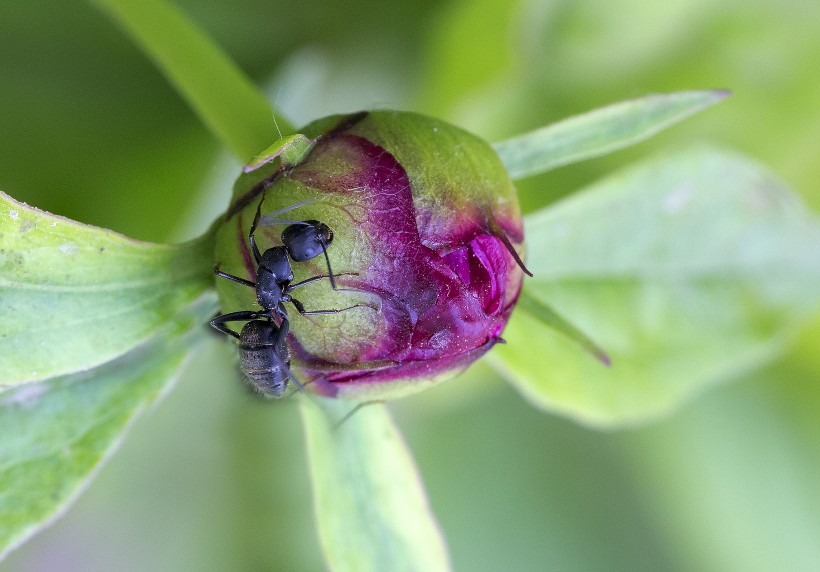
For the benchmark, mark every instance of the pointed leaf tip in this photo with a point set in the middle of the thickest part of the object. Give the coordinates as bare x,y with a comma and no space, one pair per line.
552,319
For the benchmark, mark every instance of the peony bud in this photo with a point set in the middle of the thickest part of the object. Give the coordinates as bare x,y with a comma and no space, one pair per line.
426,234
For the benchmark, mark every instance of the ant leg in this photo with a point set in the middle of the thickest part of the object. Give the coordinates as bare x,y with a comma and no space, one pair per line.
352,412
330,277
233,278
278,342
329,269
255,249
293,287
301,309
218,322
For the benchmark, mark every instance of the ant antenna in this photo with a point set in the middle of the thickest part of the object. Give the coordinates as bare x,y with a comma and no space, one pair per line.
275,104
352,412
273,218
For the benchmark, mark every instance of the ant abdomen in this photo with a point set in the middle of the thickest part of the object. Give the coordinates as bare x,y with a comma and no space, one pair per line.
264,357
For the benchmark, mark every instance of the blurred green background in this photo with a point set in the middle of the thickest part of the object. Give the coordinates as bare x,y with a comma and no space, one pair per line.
213,479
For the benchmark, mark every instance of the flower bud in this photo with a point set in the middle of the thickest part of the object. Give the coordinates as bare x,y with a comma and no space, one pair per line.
426,237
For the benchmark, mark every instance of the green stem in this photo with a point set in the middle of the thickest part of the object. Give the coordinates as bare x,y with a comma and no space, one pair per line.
371,508
225,99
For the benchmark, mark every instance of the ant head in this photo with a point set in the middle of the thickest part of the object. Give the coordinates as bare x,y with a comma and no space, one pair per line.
307,239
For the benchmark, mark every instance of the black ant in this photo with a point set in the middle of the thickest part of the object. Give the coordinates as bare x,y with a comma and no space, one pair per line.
264,355
274,274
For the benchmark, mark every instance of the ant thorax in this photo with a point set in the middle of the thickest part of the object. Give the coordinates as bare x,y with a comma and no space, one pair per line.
275,261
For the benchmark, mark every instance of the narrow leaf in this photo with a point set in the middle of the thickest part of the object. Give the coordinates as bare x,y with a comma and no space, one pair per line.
552,319
457,67
55,434
226,100
688,269
600,131
371,508
73,296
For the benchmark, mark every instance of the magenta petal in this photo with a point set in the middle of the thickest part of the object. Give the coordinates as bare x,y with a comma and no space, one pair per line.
489,266
459,261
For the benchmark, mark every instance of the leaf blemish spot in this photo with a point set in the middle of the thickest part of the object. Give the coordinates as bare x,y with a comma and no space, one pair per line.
13,215
27,396
675,201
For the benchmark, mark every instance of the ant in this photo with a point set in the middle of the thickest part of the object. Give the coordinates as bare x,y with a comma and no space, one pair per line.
264,355
302,241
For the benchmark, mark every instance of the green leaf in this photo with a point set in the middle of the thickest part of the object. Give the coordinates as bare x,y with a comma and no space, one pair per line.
371,508
600,131
547,316
55,434
688,269
228,103
457,67
73,296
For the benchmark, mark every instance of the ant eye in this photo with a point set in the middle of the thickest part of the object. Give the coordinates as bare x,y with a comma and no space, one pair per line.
425,266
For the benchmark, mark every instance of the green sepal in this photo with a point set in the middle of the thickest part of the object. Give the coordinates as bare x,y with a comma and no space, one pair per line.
290,151
552,319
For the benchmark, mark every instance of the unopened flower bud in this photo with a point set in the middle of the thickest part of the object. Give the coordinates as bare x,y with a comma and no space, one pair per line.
423,235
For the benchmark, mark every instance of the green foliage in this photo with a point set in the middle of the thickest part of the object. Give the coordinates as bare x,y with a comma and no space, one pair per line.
599,132
548,317
454,73
226,101
95,326
679,302
371,508
57,432
74,296
688,269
